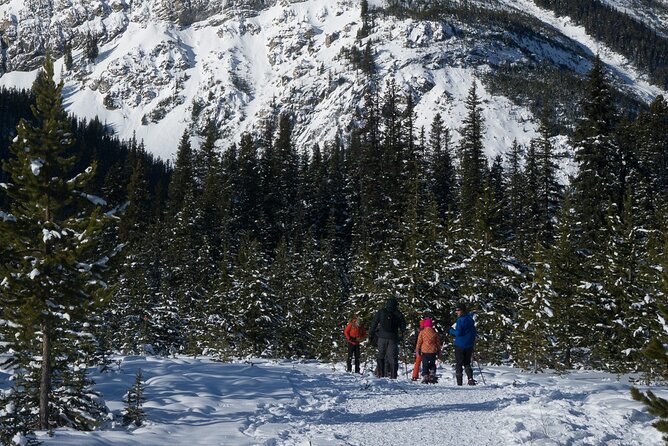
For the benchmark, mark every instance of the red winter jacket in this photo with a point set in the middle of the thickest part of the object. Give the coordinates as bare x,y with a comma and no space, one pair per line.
354,332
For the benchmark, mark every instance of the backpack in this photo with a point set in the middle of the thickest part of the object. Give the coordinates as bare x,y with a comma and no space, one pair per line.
389,322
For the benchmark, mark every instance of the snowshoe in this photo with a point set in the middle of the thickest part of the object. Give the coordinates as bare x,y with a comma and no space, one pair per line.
430,379
472,382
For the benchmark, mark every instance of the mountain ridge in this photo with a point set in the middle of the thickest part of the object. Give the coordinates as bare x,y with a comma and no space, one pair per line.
167,67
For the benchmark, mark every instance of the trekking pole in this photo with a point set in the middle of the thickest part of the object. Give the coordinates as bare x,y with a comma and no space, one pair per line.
475,356
366,365
406,365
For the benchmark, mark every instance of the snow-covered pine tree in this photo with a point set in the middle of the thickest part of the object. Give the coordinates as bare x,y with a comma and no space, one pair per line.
50,278
441,169
134,400
490,282
550,191
650,135
533,224
252,306
626,323
296,312
655,352
570,327
473,162
320,284
516,212
533,335
595,151
17,414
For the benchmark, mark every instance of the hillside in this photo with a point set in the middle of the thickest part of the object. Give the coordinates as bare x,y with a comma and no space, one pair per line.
163,68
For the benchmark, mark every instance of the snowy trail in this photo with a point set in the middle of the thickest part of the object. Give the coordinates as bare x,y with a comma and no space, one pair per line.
197,402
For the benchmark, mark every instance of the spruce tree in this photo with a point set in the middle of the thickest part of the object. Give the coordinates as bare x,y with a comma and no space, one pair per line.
549,189
67,56
626,323
91,50
595,152
491,281
51,277
656,352
134,413
473,162
442,169
516,212
531,341
252,304
571,330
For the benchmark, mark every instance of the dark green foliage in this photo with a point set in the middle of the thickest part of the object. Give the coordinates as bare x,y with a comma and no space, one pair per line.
657,406
596,153
52,273
265,248
473,162
91,50
134,400
623,33
67,56
16,416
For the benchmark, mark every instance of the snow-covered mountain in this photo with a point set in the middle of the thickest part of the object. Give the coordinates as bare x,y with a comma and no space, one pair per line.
165,66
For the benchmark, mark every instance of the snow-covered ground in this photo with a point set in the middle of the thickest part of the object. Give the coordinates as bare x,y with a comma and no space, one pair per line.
201,402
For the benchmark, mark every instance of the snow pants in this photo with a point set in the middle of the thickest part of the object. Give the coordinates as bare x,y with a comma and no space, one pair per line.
387,359
428,364
416,367
463,360
353,351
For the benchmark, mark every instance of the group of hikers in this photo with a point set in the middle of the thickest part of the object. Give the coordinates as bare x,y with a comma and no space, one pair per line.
387,331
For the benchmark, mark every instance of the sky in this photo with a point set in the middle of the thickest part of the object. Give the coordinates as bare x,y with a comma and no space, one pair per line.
201,402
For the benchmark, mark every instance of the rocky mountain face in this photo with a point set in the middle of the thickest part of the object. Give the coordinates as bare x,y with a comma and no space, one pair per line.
166,66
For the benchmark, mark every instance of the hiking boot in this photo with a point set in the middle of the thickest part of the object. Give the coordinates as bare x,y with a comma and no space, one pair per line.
460,380
472,382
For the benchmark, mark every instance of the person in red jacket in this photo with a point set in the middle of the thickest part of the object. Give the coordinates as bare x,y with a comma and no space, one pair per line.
428,346
355,332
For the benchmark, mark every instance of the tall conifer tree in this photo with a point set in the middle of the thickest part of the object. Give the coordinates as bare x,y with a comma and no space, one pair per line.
50,277
473,161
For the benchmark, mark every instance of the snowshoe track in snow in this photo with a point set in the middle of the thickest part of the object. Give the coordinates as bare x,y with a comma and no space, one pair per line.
199,402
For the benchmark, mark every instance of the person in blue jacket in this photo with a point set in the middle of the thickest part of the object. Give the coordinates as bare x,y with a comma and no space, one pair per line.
464,332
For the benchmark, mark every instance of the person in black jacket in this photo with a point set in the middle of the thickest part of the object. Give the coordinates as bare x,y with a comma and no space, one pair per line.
388,326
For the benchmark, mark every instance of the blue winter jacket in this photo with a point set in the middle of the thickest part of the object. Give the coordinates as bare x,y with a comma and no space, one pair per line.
464,331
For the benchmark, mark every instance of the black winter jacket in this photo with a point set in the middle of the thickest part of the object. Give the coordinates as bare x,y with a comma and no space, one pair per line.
391,307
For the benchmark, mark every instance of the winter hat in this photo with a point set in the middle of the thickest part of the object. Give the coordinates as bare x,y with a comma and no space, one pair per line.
461,307
427,323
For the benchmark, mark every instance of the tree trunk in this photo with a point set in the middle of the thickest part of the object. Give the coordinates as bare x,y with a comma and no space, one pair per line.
45,383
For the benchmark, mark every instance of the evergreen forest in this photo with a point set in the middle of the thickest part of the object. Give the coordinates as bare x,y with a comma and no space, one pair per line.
267,249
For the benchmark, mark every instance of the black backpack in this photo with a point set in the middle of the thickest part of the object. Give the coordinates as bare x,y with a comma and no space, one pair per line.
389,322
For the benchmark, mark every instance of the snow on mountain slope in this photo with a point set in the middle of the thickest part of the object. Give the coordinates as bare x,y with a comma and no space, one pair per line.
636,83
652,12
164,68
